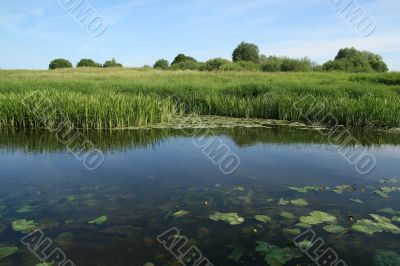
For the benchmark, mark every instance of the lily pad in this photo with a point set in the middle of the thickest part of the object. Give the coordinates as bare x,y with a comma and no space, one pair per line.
283,202
239,188
7,251
389,211
340,189
304,245
180,213
231,218
235,255
357,200
389,180
396,219
318,217
302,225
288,215
335,229
23,225
275,256
385,191
299,202
380,219
26,208
99,220
386,258
305,189
292,231
262,218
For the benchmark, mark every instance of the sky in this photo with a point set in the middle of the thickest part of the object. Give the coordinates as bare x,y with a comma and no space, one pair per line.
138,32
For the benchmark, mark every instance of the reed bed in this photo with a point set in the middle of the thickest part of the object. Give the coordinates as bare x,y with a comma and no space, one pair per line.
118,98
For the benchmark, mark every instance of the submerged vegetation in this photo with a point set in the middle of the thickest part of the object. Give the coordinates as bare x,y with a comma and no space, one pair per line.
118,98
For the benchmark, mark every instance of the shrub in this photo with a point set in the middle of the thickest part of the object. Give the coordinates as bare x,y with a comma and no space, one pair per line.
182,58
60,63
240,66
296,65
161,64
88,63
271,64
112,63
187,65
215,64
246,52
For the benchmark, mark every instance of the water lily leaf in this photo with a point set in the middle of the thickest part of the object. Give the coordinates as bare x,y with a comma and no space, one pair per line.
304,245
394,219
275,256
283,202
367,227
288,215
384,191
305,189
292,231
340,189
235,255
380,219
318,217
231,218
334,228
180,213
299,202
26,208
386,258
357,200
239,188
99,220
262,218
302,225
389,180
23,225
7,251
389,211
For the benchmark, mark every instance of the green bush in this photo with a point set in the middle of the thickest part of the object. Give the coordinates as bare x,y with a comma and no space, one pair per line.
296,65
60,63
112,63
187,65
182,58
352,60
271,63
161,64
88,63
246,52
240,66
215,64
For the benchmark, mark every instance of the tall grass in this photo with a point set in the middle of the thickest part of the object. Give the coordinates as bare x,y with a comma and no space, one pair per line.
110,98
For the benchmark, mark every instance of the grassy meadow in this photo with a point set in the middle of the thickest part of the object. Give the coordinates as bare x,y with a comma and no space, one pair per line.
121,97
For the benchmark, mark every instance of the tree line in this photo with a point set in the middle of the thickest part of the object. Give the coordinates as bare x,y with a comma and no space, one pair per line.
247,57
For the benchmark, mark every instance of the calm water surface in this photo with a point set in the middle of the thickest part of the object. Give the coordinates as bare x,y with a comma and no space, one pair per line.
150,175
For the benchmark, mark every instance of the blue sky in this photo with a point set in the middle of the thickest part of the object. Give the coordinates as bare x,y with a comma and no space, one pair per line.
32,32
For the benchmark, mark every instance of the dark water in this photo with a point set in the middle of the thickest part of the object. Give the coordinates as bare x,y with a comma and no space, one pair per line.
149,175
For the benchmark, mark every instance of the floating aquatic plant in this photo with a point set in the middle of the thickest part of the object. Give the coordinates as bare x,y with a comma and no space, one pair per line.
292,231
380,224
7,251
340,189
389,211
305,189
180,213
283,202
231,218
287,215
303,225
239,188
235,255
332,228
299,202
275,256
304,245
385,191
26,208
262,218
99,220
389,180
318,217
386,258
23,225
357,200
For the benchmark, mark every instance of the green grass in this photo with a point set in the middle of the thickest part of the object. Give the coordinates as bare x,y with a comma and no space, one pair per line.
109,98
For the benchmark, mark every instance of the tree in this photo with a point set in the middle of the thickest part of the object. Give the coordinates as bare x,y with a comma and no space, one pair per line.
246,52
112,63
182,58
161,64
271,63
215,64
60,63
88,63
353,60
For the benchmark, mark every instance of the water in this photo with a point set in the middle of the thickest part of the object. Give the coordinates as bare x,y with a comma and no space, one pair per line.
148,175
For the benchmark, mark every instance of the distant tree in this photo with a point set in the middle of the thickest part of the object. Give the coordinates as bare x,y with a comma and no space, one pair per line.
182,58
271,63
60,63
246,52
88,63
215,64
353,60
161,64
112,63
